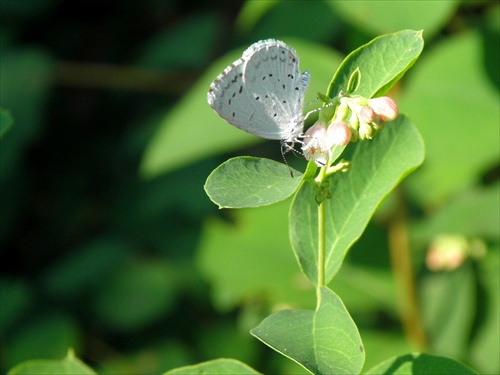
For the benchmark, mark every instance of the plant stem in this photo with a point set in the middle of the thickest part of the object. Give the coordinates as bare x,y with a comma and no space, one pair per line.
404,277
321,250
321,240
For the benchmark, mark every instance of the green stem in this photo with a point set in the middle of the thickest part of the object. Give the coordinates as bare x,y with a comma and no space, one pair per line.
321,250
321,239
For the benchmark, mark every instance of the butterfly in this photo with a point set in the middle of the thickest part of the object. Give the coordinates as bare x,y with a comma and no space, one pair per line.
263,92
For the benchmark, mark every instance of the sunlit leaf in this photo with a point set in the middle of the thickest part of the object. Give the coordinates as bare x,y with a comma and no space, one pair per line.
324,341
215,367
68,366
251,182
381,63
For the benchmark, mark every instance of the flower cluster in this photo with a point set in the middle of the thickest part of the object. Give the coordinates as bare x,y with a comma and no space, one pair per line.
355,118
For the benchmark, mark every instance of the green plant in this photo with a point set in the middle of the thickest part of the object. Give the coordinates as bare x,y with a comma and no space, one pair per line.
330,210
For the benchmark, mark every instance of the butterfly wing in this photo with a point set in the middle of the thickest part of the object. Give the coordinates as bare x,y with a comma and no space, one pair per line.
273,77
263,92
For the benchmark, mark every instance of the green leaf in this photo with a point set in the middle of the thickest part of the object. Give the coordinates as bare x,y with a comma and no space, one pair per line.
6,122
377,166
381,342
216,367
381,62
251,259
449,324
49,335
251,12
420,364
192,130
68,366
166,49
121,303
251,182
86,268
455,106
382,16
300,18
486,343
26,77
324,341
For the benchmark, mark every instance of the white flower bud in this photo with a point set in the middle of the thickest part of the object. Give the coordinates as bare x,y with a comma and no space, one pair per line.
316,144
339,133
384,107
366,114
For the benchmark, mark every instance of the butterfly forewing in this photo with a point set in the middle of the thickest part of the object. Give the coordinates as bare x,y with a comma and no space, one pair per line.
225,87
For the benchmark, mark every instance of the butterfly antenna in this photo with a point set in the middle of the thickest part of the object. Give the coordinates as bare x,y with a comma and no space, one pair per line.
317,109
312,102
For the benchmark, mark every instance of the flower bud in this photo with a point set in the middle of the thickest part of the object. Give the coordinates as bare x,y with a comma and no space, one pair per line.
384,107
342,111
354,121
366,114
447,252
339,133
365,131
316,145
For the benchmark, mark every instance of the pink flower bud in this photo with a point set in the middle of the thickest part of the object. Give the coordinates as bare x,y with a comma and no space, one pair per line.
366,114
339,133
316,145
447,252
317,131
384,107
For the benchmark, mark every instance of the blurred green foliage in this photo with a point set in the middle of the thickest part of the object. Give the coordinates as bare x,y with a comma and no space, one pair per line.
142,275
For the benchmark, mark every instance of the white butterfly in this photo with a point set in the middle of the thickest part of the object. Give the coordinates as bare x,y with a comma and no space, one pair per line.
263,92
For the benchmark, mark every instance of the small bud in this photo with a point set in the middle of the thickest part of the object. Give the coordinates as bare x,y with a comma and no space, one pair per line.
354,121
366,114
384,107
342,112
339,133
365,131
